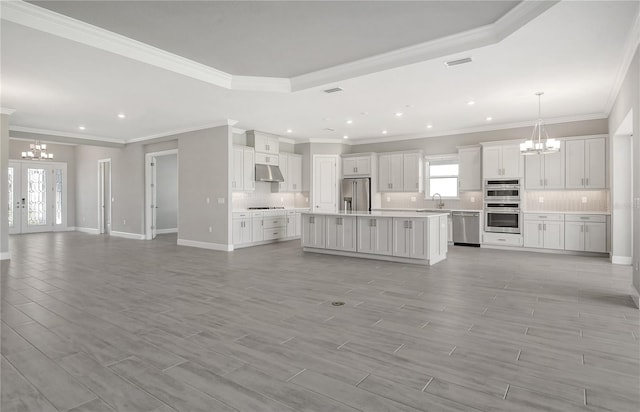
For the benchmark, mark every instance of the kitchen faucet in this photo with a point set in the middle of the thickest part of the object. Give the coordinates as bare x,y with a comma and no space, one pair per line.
440,204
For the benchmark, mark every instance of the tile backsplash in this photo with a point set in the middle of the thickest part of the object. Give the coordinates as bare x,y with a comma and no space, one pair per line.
566,200
467,200
263,196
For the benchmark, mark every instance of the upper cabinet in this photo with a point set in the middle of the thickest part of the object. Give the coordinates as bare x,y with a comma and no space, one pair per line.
469,172
291,168
263,143
545,171
501,161
356,166
585,163
400,172
243,173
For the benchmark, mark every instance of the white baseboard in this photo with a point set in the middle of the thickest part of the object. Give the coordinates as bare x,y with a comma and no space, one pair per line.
5,255
205,245
127,235
622,260
90,230
164,231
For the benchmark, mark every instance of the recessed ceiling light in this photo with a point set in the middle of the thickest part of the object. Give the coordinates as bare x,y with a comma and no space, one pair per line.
429,126
289,131
121,115
384,132
81,127
345,137
399,114
471,102
349,121
489,118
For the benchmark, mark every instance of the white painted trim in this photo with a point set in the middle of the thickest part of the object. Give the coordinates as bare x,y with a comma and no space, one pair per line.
6,110
100,175
622,260
223,122
69,229
89,230
286,140
449,45
205,245
5,255
237,130
65,134
26,139
263,84
148,193
165,231
127,235
630,47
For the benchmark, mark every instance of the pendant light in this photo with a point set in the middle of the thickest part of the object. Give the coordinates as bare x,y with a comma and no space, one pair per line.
536,145
37,151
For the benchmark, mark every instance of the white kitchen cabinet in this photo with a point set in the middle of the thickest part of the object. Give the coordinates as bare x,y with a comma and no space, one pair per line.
409,238
544,231
341,233
267,159
501,161
291,223
586,233
257,227
437,242
241,228
243,171
585,161
390,172
263,143
545,171
359,166
291,167
313,227
469,169
298,224
375,235
412,167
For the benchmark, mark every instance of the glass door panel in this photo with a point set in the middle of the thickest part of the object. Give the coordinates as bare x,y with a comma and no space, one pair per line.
15,198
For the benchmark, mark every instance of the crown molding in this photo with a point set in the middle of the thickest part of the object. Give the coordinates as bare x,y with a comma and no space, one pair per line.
631,45
237,130
66,134
477,129
468,40
25,139
218,123
7,111
262,84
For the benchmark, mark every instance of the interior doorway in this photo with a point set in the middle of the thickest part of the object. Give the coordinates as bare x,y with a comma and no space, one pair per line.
622,192
161,193
37,196
104,196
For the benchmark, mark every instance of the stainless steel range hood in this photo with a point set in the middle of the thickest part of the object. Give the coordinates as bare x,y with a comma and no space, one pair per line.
268,173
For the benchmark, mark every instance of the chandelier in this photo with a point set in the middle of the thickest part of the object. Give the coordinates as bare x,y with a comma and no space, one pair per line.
37,151
536,145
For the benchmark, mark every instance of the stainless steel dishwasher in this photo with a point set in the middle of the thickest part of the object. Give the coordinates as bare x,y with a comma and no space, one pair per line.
466,228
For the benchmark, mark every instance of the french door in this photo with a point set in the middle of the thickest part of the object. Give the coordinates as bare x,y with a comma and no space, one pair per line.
37,196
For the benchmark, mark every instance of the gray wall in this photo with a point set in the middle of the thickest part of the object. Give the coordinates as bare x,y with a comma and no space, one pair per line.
160,146
4,186
449,144
127,187
629,99
167,192
204,173
61,153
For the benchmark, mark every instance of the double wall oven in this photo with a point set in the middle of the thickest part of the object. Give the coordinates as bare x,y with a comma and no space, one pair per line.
502,206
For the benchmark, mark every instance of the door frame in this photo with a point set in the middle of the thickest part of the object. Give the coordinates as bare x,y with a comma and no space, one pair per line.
101,181
149,190
338,174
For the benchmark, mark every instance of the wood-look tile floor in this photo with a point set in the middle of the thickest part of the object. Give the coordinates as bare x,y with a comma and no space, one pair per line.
92,323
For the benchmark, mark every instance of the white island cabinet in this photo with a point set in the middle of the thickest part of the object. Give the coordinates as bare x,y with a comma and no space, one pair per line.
408,237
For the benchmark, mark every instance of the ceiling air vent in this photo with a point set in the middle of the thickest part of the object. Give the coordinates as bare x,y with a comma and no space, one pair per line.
457,62
328,129
334,90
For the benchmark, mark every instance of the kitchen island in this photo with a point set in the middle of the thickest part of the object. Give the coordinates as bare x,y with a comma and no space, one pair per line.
408,237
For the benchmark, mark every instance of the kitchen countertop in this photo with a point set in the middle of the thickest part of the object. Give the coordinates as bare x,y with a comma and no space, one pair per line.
566,213
270,210
423,210
407,214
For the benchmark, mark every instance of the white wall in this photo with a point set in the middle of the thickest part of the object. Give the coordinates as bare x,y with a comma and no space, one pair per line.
4,186
167,192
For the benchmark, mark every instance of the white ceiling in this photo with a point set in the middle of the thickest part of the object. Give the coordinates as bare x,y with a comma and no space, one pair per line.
574,52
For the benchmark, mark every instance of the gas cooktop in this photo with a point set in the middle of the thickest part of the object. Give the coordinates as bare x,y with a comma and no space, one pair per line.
265,207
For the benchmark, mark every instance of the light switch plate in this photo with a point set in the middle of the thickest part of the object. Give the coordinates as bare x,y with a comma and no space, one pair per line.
388,198
473,199
540,199
208,200
584,199
221,200
413,198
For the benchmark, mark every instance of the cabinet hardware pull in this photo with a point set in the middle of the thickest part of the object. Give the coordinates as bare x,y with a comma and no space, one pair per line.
541,182
587,183
544,226
539,226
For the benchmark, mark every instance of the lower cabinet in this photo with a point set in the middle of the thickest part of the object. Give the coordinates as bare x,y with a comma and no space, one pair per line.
375,235
544,231
313,231
241,230
409,238
586,233
291,223
257,222
341,233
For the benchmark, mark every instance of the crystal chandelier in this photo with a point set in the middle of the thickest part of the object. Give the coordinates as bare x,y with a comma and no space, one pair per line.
536,145
37,151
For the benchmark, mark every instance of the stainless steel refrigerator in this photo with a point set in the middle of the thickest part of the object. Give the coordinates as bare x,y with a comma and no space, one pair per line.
356,195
